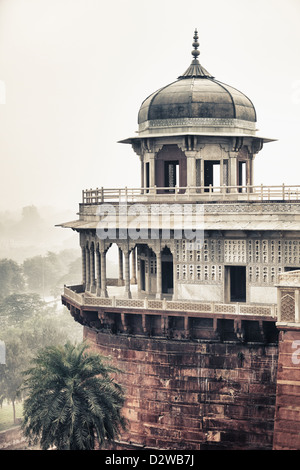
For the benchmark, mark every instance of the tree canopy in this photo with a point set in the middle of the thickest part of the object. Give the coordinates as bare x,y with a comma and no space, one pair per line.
72,400
11,277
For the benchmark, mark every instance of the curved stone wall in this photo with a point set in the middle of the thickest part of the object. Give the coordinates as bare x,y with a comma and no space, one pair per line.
193,395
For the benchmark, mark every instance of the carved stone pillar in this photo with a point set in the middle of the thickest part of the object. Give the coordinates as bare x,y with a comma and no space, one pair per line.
88,272
98,272
92,270
233,172
191,168
148,272
152,170
83,261
121,279
103,274
251,171
127,274
221,172
149,158
158,275
133,267
142,174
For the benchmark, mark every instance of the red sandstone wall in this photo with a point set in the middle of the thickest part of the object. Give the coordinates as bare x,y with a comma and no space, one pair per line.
189,395
287,415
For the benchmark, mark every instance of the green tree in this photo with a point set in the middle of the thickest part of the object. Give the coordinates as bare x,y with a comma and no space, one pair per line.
11,277
11,377
16,308
73,402
46,274
38,273
27,324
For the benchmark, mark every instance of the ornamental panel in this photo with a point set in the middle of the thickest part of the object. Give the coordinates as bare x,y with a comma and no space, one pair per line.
288,307
235,251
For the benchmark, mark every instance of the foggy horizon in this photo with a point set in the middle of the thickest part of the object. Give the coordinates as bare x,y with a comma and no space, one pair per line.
76,72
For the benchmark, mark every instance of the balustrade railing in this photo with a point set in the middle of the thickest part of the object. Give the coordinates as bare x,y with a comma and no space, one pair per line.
192,306
201,193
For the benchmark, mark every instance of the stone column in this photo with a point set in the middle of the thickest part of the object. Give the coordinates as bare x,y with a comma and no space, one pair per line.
232,171
83,261
127,274
139,275
103,274
142,174
149,157
98,272
152,170
221,172
202,173
133,266
148,272
92,270
175,289
158,275
251,170
191,168
247,172
88,273
121,279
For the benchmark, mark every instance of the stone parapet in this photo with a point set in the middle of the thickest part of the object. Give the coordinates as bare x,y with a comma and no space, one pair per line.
181,320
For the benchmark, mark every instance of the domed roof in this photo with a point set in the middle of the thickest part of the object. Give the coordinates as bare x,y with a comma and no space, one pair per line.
196,97
197,100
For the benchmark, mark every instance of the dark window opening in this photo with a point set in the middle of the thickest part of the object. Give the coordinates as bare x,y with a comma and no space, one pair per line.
236,278
147,175
167,271
167,277
171,174
142,274
211,174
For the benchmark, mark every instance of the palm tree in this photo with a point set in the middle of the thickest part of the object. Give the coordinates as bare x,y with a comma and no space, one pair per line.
72,400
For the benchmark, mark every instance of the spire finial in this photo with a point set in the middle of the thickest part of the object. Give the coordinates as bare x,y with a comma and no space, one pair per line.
196,70
195,44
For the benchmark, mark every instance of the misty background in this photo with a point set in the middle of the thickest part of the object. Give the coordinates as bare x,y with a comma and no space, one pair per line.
73,74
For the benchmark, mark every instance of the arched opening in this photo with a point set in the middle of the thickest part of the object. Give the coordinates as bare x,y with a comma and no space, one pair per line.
146,266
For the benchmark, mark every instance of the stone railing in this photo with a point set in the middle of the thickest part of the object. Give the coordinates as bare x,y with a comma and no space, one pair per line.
73,293
191,193
88,300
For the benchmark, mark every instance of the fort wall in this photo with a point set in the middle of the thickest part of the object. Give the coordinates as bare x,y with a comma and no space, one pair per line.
193,395
287,411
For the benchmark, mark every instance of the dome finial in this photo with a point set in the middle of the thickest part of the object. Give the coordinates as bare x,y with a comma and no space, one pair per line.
195,69
195,44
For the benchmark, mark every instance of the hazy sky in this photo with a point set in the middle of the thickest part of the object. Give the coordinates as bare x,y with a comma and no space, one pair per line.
76,72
